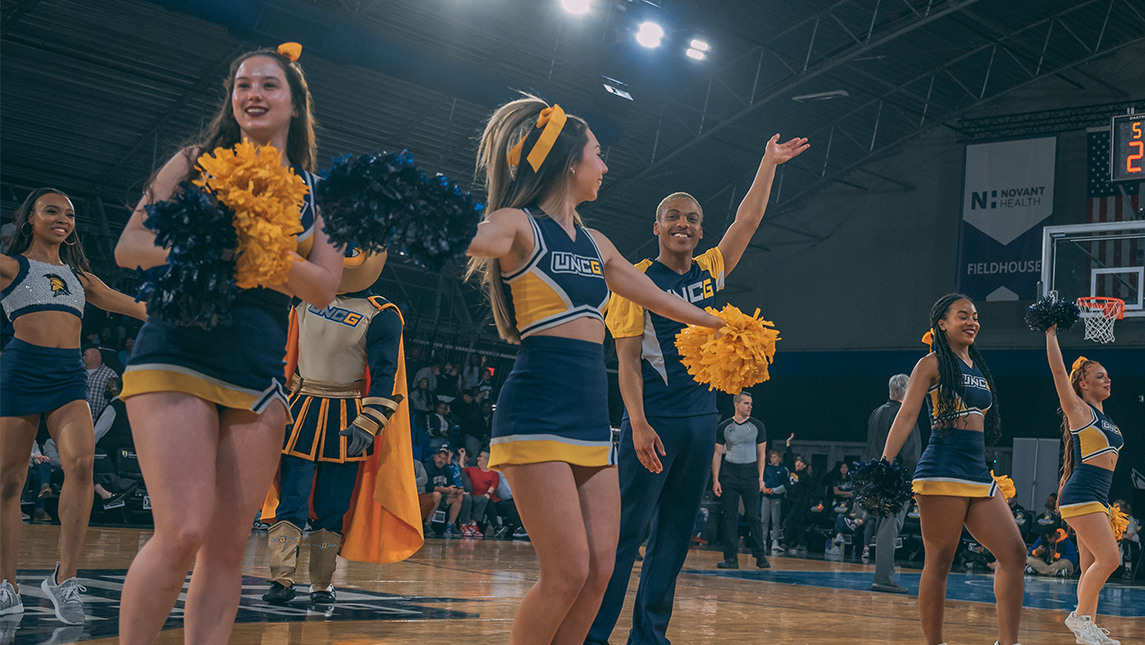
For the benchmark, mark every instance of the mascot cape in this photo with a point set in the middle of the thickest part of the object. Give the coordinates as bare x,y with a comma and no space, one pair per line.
383,524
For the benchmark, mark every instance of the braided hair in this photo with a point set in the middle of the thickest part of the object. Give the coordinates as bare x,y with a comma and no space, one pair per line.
951,389
1076,376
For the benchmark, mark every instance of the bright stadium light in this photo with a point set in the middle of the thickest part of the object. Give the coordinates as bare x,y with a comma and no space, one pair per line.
699,45
649,34
577,7
695,54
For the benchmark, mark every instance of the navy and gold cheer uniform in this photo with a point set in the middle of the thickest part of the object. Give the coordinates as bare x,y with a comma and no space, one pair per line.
1087,489
554,405
40,379
683,414
954,462
669,390
237,365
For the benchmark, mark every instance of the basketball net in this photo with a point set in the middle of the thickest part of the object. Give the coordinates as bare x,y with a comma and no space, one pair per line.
1099,315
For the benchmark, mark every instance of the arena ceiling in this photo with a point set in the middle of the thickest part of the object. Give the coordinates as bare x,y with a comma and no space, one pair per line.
95,94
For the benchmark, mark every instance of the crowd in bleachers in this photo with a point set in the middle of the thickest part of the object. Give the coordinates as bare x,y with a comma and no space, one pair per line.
451,405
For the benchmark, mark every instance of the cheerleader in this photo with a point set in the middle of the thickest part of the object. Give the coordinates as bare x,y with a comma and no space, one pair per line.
952,483
208,408
549,279
1092,442
46,281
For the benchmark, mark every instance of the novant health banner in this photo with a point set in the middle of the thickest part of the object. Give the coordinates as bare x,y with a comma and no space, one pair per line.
1007,197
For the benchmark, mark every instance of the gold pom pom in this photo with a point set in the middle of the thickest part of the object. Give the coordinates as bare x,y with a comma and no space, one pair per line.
267,199
1006,485
1119,521
736,360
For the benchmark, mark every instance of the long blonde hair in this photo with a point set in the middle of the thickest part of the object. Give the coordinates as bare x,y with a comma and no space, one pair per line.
519,187
1076,376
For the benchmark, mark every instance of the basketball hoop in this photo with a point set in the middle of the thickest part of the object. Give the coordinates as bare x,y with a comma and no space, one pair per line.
1099,315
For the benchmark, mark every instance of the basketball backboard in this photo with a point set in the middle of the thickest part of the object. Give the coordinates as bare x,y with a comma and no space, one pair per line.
1103,259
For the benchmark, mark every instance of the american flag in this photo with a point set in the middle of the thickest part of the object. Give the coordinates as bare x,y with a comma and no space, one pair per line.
1111,202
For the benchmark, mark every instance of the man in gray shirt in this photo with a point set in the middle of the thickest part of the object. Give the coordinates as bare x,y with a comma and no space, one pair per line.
878,427
742,443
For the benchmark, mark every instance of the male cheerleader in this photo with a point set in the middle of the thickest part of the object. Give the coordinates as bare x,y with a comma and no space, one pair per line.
668,414
339,439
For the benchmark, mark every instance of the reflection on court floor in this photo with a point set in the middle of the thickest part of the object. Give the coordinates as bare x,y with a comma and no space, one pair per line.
38,624
469,591
1041,593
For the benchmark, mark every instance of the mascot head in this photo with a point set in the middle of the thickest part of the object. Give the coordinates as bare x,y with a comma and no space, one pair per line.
360,270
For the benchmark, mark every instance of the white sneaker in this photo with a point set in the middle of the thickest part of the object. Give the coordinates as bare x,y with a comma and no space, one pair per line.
65,598
1075,623
10,601
1102,635
1090,634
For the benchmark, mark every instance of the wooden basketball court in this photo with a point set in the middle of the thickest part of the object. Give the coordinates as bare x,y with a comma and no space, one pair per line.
457,591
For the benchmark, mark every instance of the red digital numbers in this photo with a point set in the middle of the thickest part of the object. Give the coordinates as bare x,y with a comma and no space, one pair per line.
1127,148
1138,145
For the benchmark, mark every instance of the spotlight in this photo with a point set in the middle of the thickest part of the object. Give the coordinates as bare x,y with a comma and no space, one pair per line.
699,45
649,34
577,7
695,54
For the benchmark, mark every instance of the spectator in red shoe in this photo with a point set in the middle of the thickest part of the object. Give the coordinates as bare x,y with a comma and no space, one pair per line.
485,498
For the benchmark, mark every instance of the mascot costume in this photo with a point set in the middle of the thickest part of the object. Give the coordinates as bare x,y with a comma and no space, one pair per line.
347,461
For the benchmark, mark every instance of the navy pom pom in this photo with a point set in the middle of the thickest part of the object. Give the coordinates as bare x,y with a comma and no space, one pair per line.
384,202
882,487
1047,312
197,285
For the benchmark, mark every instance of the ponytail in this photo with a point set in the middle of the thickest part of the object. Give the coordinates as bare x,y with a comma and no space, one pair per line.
520,186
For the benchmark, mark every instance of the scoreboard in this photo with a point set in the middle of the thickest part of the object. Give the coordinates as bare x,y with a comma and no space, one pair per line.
1127,148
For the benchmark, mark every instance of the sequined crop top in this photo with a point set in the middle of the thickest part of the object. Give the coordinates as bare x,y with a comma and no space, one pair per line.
39,286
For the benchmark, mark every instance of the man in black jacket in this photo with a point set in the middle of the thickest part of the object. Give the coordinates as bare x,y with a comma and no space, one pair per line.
878,427
798,491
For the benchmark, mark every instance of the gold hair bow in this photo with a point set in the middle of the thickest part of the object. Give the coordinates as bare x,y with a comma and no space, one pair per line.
290,50
1077,365
928,337
552,119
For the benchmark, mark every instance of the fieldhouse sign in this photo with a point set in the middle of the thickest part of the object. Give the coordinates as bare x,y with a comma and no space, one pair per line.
1007,197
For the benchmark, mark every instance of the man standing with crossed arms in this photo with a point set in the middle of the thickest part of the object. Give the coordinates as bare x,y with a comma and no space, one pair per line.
668,414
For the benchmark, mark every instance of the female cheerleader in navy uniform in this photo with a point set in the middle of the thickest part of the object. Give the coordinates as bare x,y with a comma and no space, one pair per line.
549,280
952,482
46,281
1092,443
208,408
